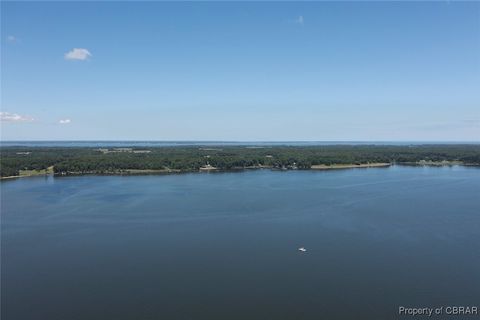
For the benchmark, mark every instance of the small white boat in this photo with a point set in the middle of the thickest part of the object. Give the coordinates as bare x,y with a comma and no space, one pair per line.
302,249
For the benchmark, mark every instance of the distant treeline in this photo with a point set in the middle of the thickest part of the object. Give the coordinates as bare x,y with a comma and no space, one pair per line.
93,160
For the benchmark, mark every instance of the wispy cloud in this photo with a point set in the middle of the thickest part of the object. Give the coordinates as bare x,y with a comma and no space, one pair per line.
472,122
11,38
443,126
64,121
78,54
299,20
14,117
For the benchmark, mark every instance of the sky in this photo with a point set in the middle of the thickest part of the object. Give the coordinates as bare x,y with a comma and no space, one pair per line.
240,71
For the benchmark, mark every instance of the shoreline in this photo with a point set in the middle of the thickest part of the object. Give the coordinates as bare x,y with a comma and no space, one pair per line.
349,166
140,172
31,173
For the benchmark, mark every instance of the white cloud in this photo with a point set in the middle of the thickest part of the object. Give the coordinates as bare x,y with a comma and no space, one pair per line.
64,121
14,117
11,39
299,20
78,54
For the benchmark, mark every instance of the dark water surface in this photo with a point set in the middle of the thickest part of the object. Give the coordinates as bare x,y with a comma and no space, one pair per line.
224,245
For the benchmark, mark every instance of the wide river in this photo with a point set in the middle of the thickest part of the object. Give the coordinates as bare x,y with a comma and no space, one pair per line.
225,245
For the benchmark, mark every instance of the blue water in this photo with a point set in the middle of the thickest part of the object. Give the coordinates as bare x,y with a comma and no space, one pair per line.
99,144
225,245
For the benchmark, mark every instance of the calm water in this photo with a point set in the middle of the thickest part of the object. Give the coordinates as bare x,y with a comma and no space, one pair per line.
99,144
224,246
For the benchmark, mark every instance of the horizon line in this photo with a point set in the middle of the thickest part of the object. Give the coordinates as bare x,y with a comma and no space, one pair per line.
231,141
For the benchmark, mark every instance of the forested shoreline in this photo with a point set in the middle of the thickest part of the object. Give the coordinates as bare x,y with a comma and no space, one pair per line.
86,160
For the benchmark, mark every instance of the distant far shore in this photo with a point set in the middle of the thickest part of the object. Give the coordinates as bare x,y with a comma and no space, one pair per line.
349,166
60,161
32,173
139,172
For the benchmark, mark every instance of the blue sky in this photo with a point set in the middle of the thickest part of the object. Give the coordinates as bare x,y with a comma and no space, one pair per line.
241,71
